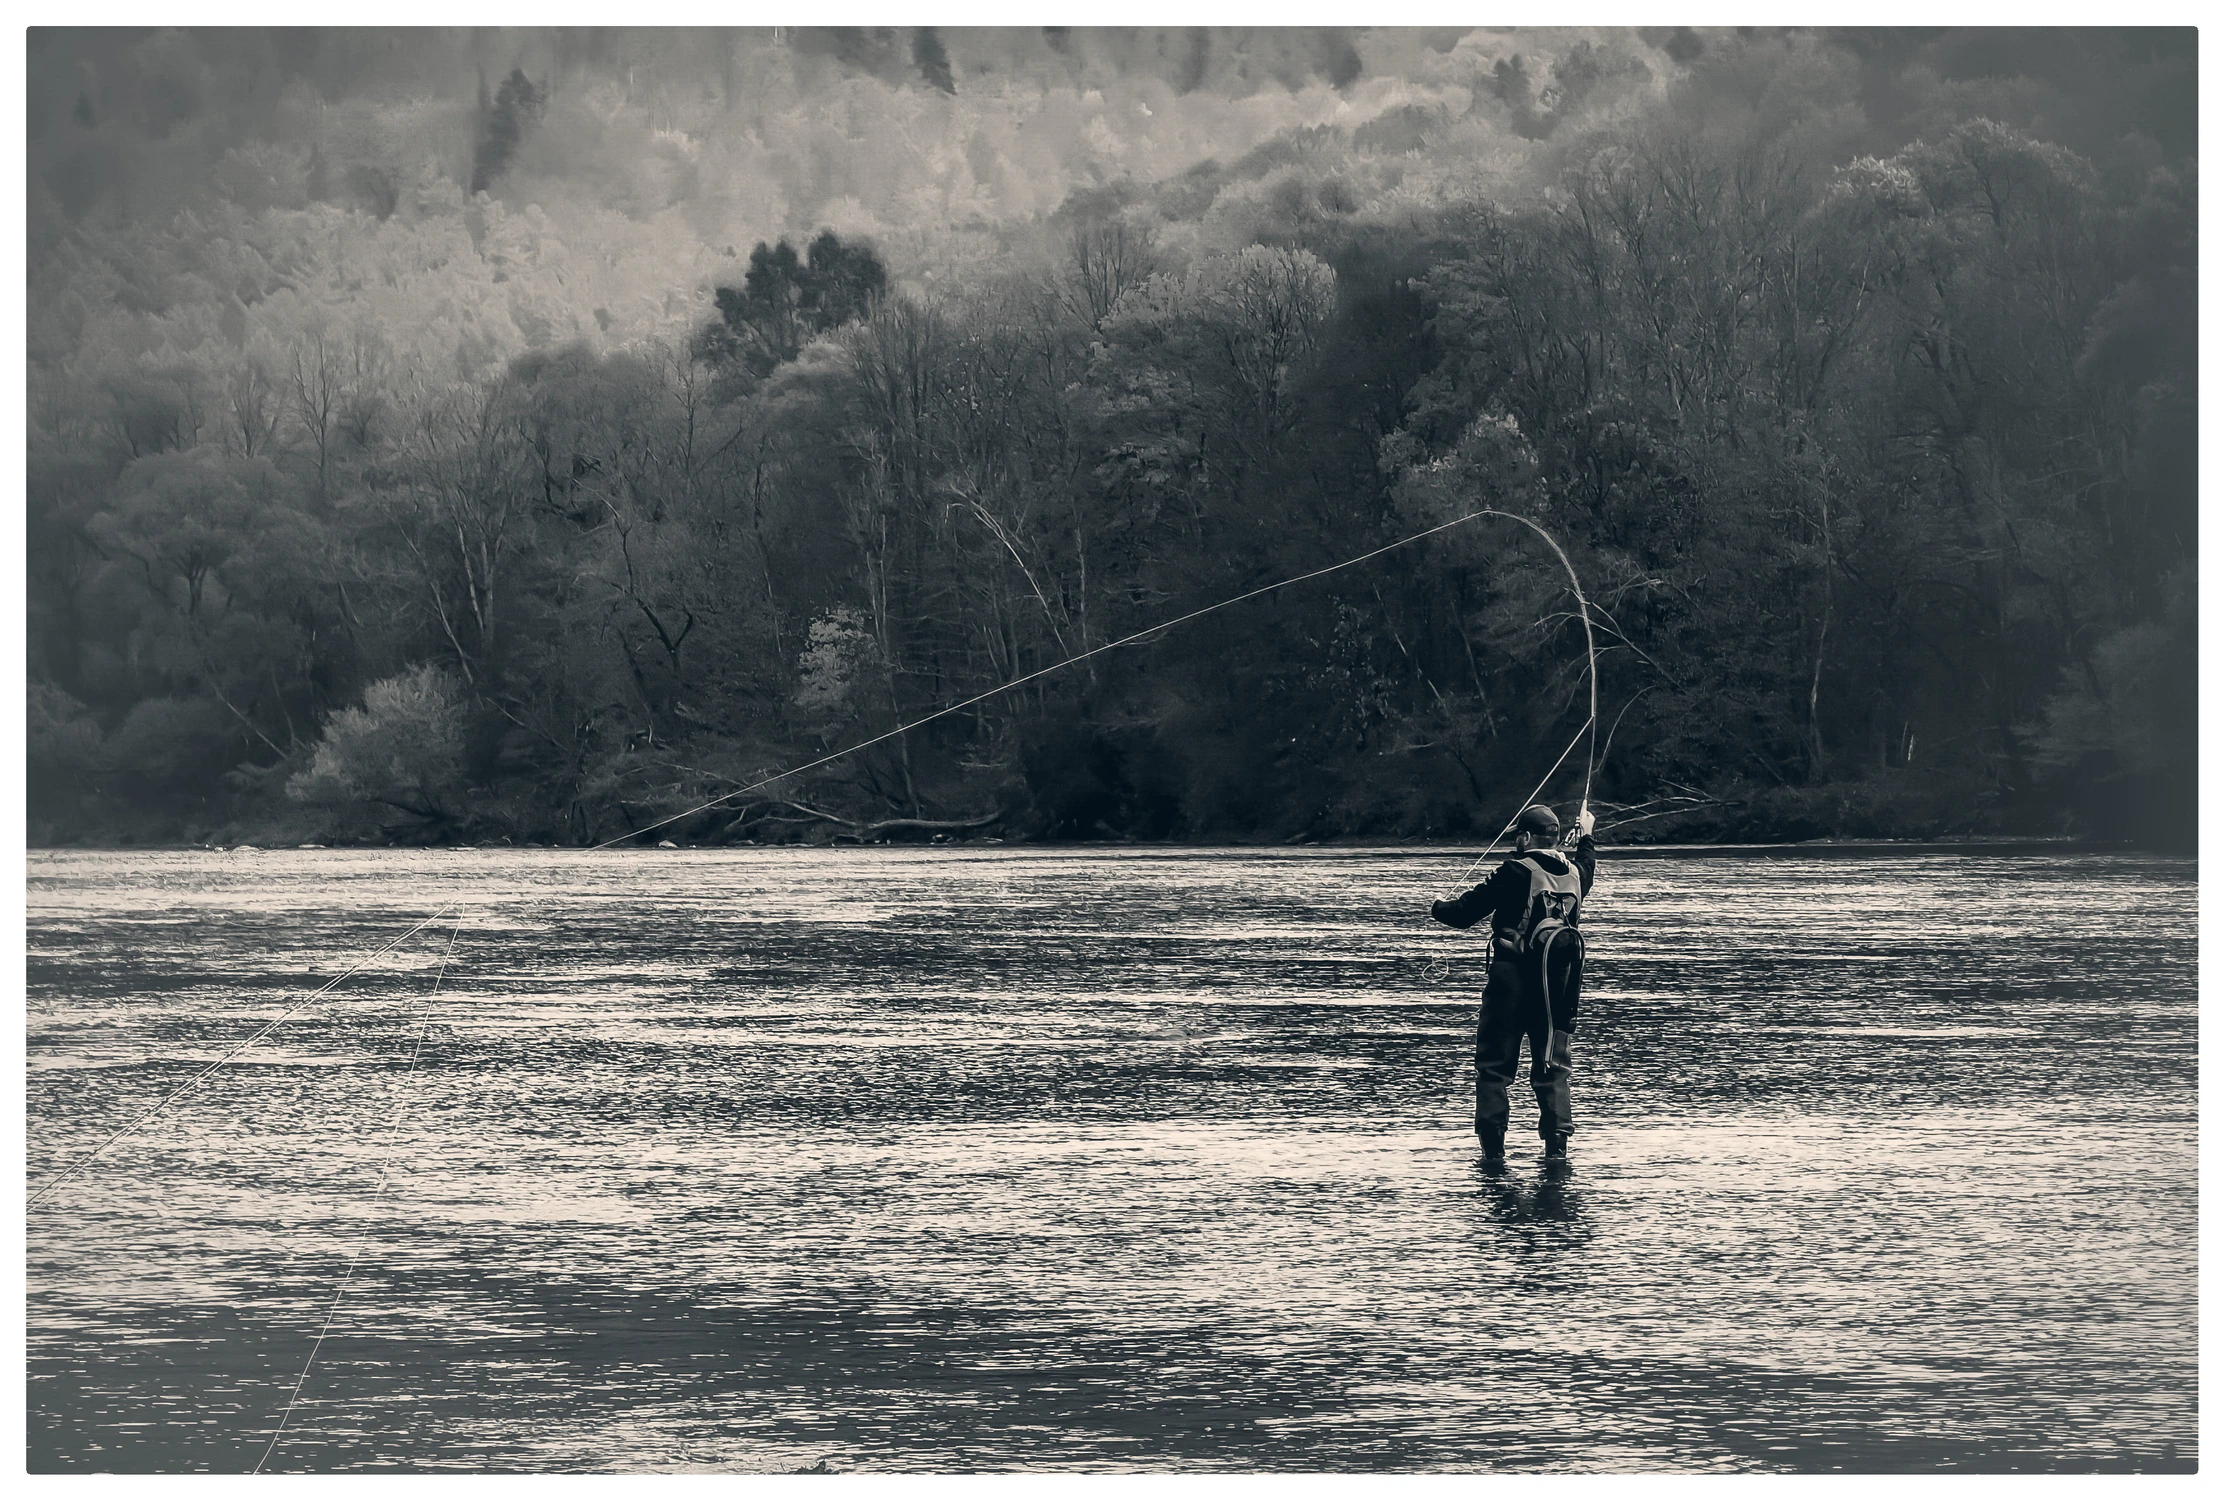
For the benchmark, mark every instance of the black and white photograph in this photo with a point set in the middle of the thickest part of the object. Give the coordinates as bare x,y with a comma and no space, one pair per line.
1109,748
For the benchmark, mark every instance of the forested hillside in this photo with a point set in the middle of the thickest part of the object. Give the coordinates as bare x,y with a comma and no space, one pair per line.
461,436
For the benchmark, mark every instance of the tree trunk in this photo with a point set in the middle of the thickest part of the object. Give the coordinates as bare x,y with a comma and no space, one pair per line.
1822,640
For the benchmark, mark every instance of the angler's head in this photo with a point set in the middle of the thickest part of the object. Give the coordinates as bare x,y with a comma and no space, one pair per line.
1538,827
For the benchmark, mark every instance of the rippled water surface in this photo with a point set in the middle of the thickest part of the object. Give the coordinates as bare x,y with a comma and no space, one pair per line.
949,1160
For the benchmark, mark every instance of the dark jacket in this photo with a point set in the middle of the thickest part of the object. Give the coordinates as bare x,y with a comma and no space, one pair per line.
1502,897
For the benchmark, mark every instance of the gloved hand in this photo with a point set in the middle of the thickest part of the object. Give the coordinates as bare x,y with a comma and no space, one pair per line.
1436,910
1585,821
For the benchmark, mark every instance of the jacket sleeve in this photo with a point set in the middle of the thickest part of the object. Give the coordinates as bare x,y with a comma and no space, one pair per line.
1586,860
1466,911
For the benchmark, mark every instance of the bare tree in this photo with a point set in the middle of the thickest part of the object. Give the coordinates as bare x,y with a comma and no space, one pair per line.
1105,259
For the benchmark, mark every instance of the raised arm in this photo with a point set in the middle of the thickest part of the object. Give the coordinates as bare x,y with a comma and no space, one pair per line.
1585,860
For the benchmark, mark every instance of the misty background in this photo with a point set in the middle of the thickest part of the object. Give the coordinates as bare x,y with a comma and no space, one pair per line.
464,435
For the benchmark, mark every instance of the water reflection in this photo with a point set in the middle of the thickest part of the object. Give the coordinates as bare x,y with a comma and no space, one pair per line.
1547,1194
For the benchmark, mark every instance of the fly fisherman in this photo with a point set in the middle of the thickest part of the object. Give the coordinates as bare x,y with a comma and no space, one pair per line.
1536,958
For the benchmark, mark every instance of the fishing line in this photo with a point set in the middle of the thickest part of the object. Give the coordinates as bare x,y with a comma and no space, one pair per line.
385,1174
1524,807
1129,640
1590,644
1616,727
1590,724
56,1179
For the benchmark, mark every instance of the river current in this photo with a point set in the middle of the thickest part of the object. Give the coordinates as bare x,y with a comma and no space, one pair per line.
972,1159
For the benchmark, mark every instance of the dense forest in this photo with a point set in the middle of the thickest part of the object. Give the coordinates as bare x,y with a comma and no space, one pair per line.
481,436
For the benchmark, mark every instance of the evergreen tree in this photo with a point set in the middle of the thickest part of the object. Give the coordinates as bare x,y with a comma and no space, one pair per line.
932,61
502,125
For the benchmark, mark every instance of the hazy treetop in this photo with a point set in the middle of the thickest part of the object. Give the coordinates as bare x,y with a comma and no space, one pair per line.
963,121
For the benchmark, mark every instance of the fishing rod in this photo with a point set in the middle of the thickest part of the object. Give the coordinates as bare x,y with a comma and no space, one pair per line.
1590,645
1590,722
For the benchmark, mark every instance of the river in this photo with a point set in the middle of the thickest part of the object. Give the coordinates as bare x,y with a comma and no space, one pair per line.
1102,1159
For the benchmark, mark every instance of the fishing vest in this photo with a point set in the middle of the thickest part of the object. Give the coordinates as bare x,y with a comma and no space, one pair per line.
1552,904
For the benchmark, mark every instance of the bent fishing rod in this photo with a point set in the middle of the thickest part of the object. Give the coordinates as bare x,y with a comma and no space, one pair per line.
1590,722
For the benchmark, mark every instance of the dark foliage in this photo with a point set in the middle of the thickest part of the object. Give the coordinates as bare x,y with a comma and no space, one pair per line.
785,301
516,107
931,60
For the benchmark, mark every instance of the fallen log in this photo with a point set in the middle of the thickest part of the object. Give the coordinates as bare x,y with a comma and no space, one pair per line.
857,827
